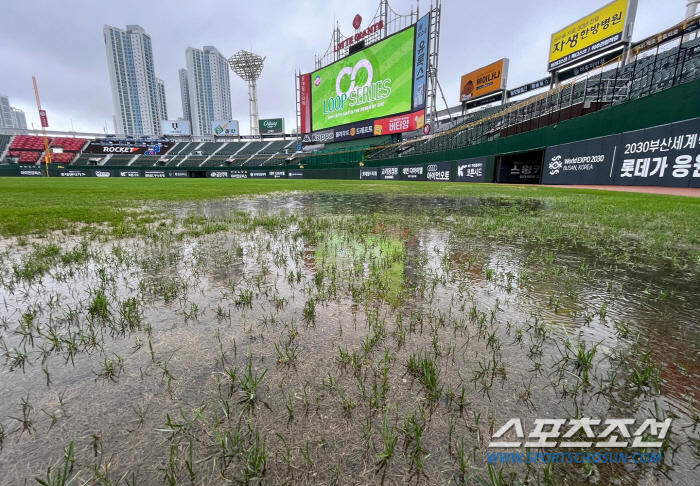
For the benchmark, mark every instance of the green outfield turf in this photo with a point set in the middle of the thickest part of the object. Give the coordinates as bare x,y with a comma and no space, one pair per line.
664,226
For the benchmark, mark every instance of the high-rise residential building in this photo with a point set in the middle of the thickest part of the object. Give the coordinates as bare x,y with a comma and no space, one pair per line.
184,94
162,105
133,80
19,118
6,118
11,117
208,87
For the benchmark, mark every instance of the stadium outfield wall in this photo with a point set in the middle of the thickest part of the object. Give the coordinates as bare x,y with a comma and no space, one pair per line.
654,141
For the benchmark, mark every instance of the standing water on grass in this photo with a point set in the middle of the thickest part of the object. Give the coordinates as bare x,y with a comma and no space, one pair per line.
344,339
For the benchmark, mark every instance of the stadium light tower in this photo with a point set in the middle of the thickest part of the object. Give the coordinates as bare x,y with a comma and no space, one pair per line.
249,66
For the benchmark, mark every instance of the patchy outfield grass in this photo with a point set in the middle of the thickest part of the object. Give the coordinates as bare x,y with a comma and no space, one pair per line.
657,225
358,333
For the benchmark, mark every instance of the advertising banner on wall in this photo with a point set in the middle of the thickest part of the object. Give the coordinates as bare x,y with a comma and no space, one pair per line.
154,174
175,127
271,126
471,170
484,81
239,174
257,174
439,171
74,173
372,83
29,172
369,174
401,123
218,174
225,128
357,130
128,173
413,173
126,147
390,174
667,155
305,102
599,31
420,59
277,174
102,173
295,174
178,174
315,138
585,162
526,88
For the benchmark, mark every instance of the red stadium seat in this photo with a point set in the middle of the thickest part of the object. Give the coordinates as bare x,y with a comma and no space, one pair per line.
69,144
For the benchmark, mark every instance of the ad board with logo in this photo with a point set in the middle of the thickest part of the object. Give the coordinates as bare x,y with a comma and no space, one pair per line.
585,162
154,174
375,82
316,138
295,174
526,88
127,147
179,174
239,174
271,126
484,81
257,174
401,123
175,127
390,174
102,173
413,172
600,31
471,170
218,174
128,173
357,130
371,173
27,172
74,173
439,171
277,174
225,128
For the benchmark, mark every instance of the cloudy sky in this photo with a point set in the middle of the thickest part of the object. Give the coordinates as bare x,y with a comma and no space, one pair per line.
60,42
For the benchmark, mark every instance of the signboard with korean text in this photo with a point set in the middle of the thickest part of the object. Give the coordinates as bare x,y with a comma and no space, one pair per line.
484,81
357,130
542,83
420,59
413,172
599,31
401,123
439,171
390,174
225,128
667,155
471,170
369,173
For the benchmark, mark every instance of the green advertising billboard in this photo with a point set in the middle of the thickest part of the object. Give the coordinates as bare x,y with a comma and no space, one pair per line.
271,125
373,83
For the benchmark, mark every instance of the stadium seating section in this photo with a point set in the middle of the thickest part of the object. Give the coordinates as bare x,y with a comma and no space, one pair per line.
69,144
119,160
230,148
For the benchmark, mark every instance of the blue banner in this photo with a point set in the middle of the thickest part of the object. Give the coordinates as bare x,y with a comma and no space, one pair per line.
420,58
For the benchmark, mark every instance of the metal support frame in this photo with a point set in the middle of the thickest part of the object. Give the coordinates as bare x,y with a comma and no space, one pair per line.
249,66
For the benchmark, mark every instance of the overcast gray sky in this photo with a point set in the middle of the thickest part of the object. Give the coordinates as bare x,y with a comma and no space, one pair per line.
60,42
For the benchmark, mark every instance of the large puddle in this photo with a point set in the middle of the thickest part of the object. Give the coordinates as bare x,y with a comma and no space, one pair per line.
336,339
